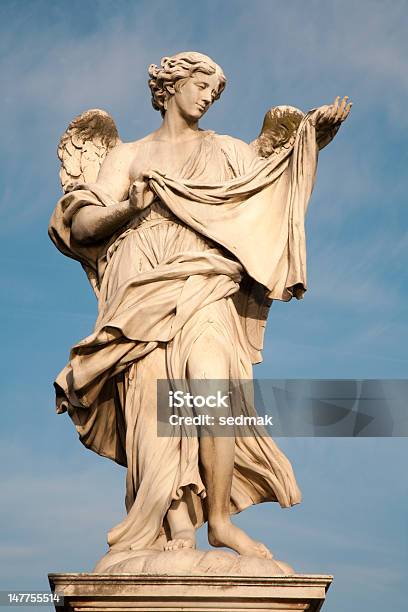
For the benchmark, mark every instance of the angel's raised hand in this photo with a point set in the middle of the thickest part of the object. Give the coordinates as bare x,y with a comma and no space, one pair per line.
341,109
328,119
334,114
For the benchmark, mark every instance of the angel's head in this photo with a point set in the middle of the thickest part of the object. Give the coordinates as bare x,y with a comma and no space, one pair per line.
193,80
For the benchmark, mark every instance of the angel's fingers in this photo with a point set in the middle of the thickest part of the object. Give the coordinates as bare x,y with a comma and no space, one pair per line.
335,108
336,102
347,111
341,108
148,175
156,177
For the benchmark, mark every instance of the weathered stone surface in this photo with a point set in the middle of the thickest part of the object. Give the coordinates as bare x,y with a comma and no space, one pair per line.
189,562
125,592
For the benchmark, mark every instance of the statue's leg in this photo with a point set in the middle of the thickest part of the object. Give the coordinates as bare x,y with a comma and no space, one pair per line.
210,359
181,528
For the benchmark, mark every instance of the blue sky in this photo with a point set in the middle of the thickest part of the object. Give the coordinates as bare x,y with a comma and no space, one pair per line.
60,58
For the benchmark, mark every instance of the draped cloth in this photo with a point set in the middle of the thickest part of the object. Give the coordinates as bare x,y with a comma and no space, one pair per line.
222,240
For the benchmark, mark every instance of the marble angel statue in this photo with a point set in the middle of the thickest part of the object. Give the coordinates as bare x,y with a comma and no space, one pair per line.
186,236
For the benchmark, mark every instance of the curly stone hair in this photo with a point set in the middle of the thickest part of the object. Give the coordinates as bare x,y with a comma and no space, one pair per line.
173,71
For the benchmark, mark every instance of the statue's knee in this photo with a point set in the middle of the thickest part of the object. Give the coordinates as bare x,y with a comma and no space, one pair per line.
209,357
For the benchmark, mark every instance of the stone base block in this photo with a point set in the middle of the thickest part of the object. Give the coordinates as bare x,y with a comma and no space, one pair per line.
125,592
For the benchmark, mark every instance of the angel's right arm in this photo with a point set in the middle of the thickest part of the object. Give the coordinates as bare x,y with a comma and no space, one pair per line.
97,222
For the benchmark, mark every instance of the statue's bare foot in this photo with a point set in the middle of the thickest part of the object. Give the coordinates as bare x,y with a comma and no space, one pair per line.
227,534
181,539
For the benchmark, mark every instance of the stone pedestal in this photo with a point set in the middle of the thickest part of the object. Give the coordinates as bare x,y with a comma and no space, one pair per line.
125,592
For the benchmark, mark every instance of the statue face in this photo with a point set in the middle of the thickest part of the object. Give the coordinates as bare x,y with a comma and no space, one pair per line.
196,95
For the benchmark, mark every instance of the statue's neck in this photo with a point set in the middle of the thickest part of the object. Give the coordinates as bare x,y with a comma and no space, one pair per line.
176,128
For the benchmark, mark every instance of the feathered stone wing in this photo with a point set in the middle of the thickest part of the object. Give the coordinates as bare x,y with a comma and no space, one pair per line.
278,130
84,145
